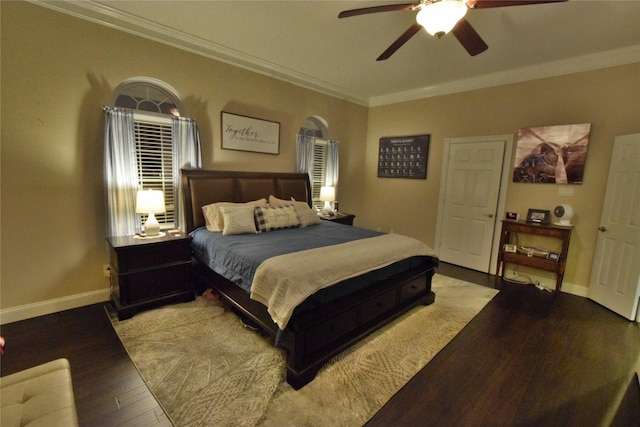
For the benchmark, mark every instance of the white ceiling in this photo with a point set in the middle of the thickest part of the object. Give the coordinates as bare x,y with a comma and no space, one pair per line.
304,42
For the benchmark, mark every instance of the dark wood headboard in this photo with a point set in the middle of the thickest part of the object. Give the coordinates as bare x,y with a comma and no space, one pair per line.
202,187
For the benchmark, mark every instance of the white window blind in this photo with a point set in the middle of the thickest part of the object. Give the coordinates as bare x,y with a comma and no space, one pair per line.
154,158
319,170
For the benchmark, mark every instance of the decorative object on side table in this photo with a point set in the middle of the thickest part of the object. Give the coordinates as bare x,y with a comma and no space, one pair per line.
513,216
150,202
146,273
327,195
510,248
340,218
564,213
539,216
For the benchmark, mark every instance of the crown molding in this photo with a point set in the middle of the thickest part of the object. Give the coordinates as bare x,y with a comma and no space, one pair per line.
112,18
612,58
107,16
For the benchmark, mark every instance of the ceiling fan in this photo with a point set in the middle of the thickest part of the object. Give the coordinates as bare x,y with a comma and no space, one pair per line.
439,17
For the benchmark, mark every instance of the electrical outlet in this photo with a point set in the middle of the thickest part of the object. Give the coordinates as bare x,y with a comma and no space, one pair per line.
565,191
106,270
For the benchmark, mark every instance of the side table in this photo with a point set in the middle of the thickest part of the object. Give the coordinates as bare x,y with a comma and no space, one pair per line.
556,266
148,272
340,218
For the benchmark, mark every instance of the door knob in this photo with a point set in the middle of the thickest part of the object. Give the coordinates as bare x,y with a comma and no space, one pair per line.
602,228
490,215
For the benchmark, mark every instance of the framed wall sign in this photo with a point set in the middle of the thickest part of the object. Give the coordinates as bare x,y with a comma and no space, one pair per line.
250,134
403,157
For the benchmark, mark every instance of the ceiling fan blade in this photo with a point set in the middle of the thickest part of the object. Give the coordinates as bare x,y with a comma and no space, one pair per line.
376,9
486,4
469,38
400,41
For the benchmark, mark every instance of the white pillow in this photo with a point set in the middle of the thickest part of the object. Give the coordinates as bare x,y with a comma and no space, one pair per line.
274,202
308,217
269,219
238,219
213,217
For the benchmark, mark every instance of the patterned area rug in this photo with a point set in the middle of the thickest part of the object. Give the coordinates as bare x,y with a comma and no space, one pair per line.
205,368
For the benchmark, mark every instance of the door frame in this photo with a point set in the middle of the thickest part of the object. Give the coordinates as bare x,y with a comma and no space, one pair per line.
507,139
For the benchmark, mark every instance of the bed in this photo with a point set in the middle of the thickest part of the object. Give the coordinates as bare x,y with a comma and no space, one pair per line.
331,319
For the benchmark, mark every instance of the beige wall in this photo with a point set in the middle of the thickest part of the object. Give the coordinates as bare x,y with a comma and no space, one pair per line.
608,99
57,71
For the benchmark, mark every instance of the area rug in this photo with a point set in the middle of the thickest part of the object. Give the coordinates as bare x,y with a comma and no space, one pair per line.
206,369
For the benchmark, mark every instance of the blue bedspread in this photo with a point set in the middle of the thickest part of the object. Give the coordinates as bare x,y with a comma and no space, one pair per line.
237,257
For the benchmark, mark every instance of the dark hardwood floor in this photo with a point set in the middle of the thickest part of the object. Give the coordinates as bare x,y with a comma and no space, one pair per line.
107,387
528,358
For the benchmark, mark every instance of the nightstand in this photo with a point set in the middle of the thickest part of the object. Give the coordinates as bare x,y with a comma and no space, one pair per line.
149,272
340,218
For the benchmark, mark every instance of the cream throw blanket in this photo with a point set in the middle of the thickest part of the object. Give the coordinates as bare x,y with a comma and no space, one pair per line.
283,282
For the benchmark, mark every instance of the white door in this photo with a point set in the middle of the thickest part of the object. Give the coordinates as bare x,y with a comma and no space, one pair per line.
467,217
615,276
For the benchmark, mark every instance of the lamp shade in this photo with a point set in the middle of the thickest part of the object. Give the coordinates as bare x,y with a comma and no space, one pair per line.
150,201
439,18
327,194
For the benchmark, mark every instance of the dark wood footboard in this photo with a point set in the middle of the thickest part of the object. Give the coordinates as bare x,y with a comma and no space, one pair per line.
316,336
313,338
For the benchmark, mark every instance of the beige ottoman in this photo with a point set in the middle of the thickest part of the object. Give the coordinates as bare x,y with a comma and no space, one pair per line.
39,396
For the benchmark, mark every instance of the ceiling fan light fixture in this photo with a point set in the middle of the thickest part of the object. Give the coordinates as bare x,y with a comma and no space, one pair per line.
440,17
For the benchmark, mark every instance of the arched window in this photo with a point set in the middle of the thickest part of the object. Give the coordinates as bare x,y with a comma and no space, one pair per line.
151,95
322,169
159,127
314,126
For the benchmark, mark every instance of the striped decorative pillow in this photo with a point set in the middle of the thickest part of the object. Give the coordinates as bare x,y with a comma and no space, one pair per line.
269,219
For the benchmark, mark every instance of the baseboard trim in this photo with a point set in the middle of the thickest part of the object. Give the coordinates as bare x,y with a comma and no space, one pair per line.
573,289
42,308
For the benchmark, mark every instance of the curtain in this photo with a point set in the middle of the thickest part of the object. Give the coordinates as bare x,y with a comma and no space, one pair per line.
333,164
120,173
186,155
304,154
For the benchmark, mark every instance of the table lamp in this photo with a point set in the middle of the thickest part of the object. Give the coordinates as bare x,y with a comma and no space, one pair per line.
327,194
150,202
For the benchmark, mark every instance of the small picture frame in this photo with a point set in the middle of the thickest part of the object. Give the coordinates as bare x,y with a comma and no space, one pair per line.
512,216
510,248
553,256
538,216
